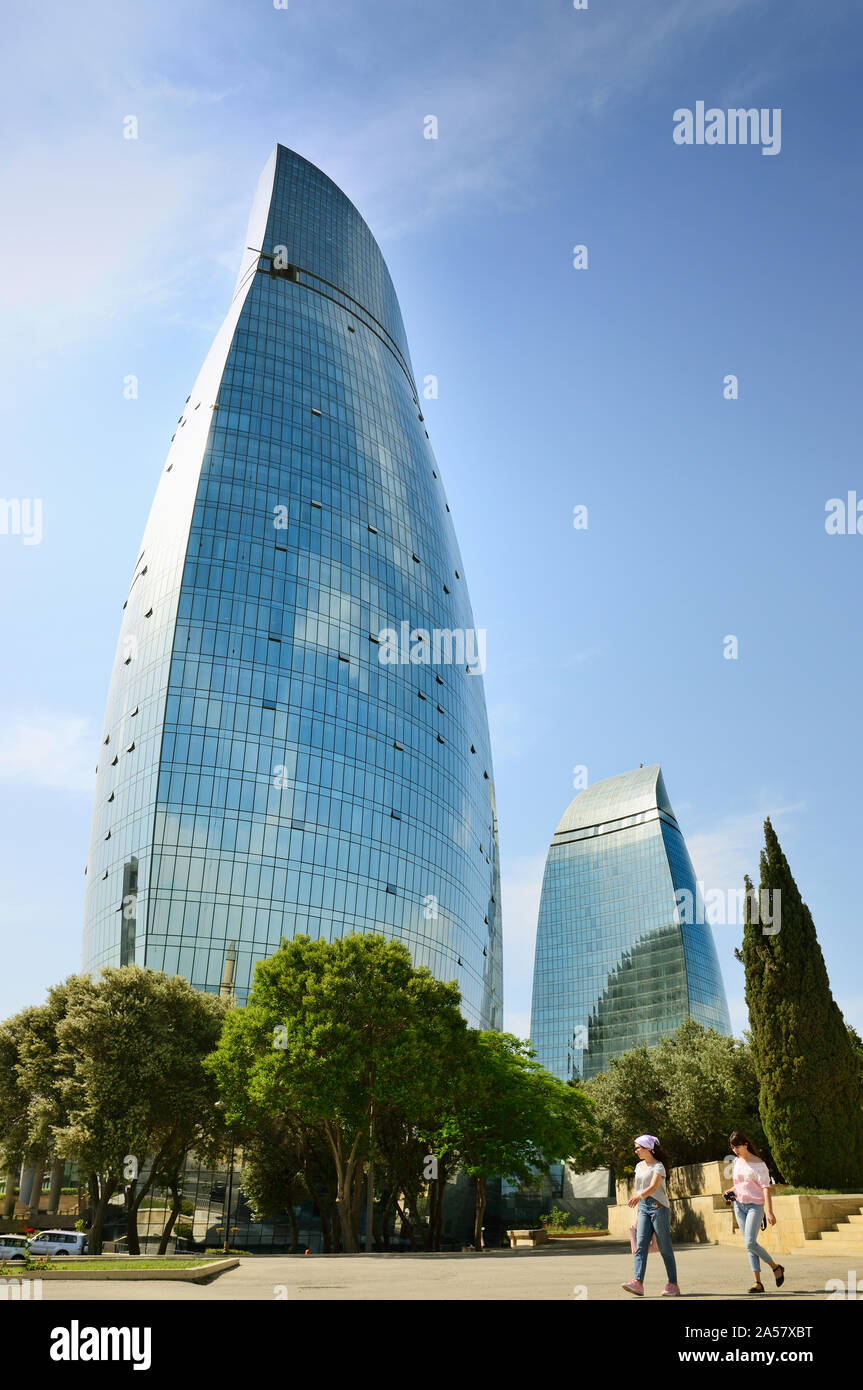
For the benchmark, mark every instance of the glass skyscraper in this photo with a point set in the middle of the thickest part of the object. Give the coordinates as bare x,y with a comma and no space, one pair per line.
272,761
619,959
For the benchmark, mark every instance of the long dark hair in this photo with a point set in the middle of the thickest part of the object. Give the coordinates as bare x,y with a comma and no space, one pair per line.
659,1152
738,1138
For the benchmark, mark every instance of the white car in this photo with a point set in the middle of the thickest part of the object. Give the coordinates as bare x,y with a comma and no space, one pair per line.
14,1248
58,1243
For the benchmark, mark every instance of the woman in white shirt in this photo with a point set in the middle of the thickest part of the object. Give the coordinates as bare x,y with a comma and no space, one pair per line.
751,1195
654,1214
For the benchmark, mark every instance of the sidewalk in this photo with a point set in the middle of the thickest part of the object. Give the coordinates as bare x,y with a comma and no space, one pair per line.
593,1270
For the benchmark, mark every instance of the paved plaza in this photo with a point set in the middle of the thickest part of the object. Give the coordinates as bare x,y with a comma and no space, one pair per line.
590,1270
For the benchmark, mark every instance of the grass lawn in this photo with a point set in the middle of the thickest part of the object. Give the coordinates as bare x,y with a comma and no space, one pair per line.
134,1262
577,1230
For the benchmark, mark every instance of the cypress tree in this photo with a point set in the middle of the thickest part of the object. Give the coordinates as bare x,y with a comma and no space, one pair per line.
811,1098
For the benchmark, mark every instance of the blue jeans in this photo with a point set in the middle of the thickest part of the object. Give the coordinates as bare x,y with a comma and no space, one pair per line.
653,1216
749,1220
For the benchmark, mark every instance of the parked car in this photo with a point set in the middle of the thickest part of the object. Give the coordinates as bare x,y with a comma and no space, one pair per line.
58,1243
14,1248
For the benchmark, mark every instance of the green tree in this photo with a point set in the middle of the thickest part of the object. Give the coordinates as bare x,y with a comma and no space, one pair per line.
31,1107
807,1063
691,1090
130,1072
344,1034
14,1105
857,1046
511,1118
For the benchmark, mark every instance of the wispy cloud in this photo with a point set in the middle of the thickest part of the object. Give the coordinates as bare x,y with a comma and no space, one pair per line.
725,853
100,218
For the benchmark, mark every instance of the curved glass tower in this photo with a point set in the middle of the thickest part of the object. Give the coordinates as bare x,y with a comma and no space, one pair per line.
296,736
615,965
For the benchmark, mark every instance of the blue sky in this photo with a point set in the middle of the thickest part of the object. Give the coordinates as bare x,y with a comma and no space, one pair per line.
557,387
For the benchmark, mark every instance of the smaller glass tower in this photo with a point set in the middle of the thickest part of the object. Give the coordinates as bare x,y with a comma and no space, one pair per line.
617,964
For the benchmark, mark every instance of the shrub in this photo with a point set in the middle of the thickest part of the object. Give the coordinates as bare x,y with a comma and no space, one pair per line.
556,1219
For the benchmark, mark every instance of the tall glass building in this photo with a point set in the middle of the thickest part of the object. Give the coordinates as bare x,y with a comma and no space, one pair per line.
617,961
296,736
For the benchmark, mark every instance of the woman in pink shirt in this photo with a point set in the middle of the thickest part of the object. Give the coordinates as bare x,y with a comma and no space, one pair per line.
751,1194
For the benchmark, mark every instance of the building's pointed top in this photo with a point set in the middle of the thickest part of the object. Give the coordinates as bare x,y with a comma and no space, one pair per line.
624,795
302,214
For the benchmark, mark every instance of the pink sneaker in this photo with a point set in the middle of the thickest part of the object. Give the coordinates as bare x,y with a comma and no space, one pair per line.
671,1291
634,1286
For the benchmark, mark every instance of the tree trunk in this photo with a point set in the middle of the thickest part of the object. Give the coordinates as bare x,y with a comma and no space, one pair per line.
133,1197
345,1171
370,1206
56,1185
36,1190
176,1205
132,1243
480,1212
94,1236
406,1226
410,1196
357,1189
346,1218
92,1196
9,1199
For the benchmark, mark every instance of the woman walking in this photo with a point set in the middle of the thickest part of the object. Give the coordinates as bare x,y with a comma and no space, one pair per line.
654,1214
751,1195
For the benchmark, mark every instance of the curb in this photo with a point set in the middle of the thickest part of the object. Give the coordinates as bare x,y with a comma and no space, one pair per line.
194,1275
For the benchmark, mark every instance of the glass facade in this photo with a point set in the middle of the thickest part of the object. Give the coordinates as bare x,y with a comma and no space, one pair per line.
615,965
263,772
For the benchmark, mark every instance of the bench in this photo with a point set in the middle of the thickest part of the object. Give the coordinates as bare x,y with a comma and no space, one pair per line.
536,1235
